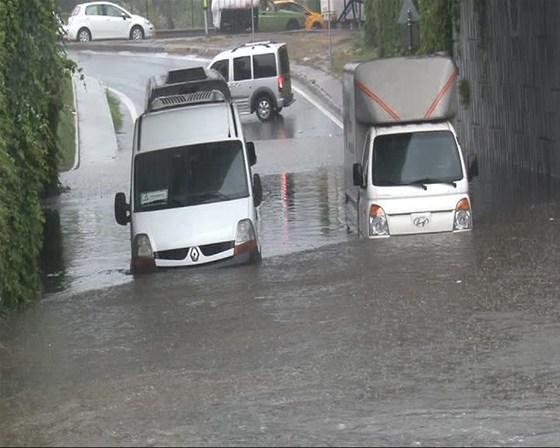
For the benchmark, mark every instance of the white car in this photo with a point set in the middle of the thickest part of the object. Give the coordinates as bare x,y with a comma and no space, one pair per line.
104,20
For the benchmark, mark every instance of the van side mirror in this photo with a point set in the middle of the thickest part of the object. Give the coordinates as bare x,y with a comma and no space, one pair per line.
358,175
473,169
251,153
257,190
121,209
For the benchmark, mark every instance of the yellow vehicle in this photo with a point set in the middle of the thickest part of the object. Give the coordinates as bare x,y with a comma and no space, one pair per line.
313,20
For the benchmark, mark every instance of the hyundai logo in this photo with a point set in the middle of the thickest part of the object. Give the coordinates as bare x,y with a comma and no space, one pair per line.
195,254
421,221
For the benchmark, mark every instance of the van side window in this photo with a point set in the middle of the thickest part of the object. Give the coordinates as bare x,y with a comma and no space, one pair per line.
264,65
222,67
242,68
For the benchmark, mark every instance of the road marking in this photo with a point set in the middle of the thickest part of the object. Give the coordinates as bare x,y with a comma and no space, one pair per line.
319,106
127,102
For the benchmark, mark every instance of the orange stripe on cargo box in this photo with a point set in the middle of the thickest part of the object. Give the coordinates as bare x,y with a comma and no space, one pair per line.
441,94
379,101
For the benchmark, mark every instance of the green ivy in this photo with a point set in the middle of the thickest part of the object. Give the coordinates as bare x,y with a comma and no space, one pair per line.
31,71
437,19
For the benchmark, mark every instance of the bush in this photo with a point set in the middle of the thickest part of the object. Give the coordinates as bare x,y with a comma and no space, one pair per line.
31,69
436,26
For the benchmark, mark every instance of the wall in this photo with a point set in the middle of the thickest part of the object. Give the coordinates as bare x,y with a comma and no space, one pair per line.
509,52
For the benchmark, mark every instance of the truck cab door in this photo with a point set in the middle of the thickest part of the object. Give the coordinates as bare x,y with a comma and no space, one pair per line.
241,84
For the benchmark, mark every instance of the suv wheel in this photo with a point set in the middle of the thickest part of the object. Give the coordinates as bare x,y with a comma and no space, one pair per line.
265,108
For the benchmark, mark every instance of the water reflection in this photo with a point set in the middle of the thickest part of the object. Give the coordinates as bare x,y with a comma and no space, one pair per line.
51,259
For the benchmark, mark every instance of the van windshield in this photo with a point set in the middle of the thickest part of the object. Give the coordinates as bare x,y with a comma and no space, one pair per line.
416,158
190,175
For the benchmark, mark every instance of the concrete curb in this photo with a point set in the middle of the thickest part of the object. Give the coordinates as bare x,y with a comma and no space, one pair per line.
76,127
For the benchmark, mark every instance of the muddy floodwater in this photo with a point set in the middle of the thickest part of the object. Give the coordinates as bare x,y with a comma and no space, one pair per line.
442,339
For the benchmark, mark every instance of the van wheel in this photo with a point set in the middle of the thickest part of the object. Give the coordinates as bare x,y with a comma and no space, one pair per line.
293,25
265,108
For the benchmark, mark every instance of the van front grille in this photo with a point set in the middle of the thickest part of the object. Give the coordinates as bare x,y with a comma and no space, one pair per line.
173,254
212,249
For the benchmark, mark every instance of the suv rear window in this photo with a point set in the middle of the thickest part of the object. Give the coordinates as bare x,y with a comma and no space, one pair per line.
264,65
284,60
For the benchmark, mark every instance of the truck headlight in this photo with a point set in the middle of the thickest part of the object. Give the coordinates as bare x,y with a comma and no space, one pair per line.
463,216
378,225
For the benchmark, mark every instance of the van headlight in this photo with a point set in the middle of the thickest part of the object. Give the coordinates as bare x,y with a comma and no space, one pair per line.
245,237
463,215
378,225
141,247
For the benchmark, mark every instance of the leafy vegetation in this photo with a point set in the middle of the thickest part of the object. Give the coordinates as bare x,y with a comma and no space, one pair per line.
31,73
383,32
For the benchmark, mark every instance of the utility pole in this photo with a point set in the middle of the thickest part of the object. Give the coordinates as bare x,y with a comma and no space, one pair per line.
329,16
252,20
205,5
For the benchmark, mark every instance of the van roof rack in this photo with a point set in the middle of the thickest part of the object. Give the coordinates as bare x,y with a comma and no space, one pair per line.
186,83
264,43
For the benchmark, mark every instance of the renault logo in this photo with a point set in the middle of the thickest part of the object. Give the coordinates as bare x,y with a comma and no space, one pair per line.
195,254
421,221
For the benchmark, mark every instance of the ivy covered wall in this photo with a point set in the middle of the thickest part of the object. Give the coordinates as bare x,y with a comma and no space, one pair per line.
382,30
31,68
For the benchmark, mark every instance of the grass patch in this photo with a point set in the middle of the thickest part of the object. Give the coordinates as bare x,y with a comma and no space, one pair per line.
114,107
66,132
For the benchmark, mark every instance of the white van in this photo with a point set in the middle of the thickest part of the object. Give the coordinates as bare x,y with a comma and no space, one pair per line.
192,196
404,169
258,75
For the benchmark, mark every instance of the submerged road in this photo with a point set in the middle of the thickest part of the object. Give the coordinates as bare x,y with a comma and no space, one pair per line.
424,340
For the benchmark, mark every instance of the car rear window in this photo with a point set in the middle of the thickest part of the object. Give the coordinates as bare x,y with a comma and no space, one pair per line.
284,60
264,65
76,11
242,68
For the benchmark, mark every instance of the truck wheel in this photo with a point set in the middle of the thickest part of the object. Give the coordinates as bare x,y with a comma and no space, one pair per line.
265,108
293,25
317,26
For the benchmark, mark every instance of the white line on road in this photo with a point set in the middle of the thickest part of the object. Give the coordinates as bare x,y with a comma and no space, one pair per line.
127,102
318,106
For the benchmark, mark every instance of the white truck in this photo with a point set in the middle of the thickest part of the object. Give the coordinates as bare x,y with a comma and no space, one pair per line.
404,169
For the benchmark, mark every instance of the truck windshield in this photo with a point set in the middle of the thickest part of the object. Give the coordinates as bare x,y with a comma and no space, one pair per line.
189,175
416,158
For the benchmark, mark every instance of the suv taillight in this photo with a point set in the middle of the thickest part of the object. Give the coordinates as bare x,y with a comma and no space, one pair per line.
280,83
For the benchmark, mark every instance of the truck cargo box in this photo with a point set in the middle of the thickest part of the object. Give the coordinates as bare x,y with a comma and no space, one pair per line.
402,90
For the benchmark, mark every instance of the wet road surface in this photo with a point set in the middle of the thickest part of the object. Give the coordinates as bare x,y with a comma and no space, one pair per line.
445,339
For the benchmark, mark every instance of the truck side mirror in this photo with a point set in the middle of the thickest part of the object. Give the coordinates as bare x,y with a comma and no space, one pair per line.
257,190
251,153
358,174
473,169
121,209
